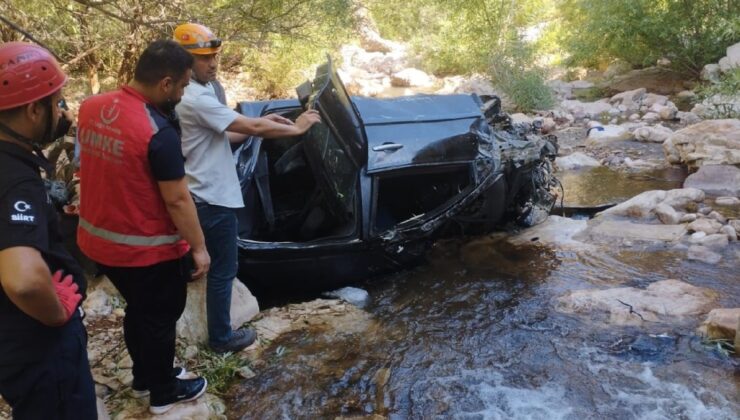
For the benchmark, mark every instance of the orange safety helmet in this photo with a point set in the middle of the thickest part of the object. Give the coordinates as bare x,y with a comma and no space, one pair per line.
197,39
27,73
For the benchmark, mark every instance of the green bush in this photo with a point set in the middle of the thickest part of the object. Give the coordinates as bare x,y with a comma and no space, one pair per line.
691,33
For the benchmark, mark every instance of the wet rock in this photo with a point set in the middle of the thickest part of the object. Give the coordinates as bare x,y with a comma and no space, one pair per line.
411,77
607,133
352,295
730,232
708,226
687,218
703,254
727,201
696,237
662,301
604,230
704,210
714,242
715,142
192,325
721,323
718,217
688,118
667,214
576,160
642,205
246,373
722,180
735,224
655,134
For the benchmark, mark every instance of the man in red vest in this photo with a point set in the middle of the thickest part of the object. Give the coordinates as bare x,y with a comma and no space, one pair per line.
137,218
44,370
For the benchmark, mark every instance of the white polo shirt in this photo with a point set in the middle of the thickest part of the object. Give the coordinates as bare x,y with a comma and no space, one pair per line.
209,163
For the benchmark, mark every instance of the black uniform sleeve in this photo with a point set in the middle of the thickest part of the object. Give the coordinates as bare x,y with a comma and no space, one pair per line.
23,216
165,155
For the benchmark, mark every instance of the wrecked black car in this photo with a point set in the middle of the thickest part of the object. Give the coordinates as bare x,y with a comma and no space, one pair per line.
369,189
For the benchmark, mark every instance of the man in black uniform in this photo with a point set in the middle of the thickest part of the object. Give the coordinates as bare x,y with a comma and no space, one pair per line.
44,369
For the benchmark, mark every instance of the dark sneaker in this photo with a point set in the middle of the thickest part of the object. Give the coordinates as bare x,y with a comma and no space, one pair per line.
241,339
184,390
141,390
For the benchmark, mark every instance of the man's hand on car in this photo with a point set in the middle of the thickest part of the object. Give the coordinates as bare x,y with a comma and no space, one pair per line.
306,120
278,119
202,262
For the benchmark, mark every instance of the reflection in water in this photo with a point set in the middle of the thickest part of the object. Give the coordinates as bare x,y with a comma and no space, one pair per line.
602,185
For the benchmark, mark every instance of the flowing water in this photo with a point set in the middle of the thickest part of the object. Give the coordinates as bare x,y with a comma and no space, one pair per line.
474,334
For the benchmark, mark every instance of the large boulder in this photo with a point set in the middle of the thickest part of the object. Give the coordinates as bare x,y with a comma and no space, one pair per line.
642,206
193,324
713,142
710,73
576,160
654,134
722,180
662,301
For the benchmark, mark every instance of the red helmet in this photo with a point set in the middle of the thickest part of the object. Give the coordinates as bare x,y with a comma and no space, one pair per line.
27,74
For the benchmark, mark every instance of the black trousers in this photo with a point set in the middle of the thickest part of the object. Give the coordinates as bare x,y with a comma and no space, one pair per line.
155,297
58,387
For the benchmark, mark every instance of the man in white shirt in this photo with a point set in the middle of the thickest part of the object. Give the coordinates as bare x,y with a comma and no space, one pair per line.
208,129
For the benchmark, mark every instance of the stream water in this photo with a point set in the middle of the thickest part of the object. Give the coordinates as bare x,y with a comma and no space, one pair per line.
473,334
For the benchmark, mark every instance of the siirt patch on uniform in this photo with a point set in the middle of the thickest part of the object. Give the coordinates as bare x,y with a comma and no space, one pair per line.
22,212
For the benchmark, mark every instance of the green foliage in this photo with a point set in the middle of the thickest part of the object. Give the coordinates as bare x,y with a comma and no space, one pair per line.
523,83
219,370
103,39
691,33
458,36
723,95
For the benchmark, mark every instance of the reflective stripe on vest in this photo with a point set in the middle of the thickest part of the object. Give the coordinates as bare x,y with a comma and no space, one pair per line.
134,240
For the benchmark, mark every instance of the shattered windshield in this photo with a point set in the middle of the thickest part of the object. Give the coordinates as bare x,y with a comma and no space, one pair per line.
340,171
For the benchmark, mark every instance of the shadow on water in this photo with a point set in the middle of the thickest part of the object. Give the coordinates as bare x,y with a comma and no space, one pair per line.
474,334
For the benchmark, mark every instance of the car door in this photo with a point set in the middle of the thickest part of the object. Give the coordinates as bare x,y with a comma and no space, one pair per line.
337,148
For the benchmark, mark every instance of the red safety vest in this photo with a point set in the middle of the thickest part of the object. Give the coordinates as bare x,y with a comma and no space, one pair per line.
123,218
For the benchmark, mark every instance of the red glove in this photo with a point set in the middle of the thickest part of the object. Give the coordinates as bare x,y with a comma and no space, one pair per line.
67,293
